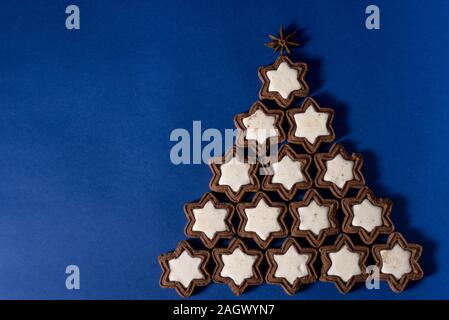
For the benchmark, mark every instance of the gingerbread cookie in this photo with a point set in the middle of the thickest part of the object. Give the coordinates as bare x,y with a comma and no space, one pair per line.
209,220
262,220
283,81
398,261
367,215
344,263
237,266
288,173
310,125
314,218
259,126
291,266
184,269
233,175
339,171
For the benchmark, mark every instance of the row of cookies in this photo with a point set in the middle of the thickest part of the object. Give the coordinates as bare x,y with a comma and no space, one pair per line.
314,218
291,266
236,174
308,125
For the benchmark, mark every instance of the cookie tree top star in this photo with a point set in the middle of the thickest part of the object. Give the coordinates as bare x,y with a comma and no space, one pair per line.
284,80
293,192
281,42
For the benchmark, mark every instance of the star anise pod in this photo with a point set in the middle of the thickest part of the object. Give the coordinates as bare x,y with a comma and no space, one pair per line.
282,42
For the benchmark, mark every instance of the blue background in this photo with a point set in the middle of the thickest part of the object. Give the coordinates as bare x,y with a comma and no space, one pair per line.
85,119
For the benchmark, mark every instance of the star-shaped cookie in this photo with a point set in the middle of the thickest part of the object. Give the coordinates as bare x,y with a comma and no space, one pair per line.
262,220
344,263
367,215
398,261
237,266
288,173
339,171
184,269
310,125
209,220
314,218
283,81
259,125
291,266
233,174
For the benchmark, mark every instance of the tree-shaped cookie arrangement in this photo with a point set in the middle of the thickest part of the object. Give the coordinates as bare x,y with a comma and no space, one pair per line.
292,192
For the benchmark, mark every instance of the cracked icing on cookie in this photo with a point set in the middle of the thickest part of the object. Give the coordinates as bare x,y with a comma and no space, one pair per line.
262,219
184,269
396,261
283,80
287,172
345,264
367,215
339,171
235,174
238,266
314,217
291,265
209,220
260,126
311,124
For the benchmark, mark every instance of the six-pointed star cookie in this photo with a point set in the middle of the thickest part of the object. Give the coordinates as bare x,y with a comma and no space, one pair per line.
262,220
237,266
314,218
184,268
367,215
209,220
259,125
398,261
344,263
310,125
233,175
291,266
283,81
288,173
339,171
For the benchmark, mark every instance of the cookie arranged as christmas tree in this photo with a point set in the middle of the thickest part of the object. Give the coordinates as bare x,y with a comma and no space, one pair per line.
272,172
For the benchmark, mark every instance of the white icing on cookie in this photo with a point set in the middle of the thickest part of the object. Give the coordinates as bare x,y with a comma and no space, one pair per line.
339,171
291,265
396,261
345,264
260,126
184,269
209,219
367,215
238,266
234,174
311,124
314,217
262,219
283,80
287,172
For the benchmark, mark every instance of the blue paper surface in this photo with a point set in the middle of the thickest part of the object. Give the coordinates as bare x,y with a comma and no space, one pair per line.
86,116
